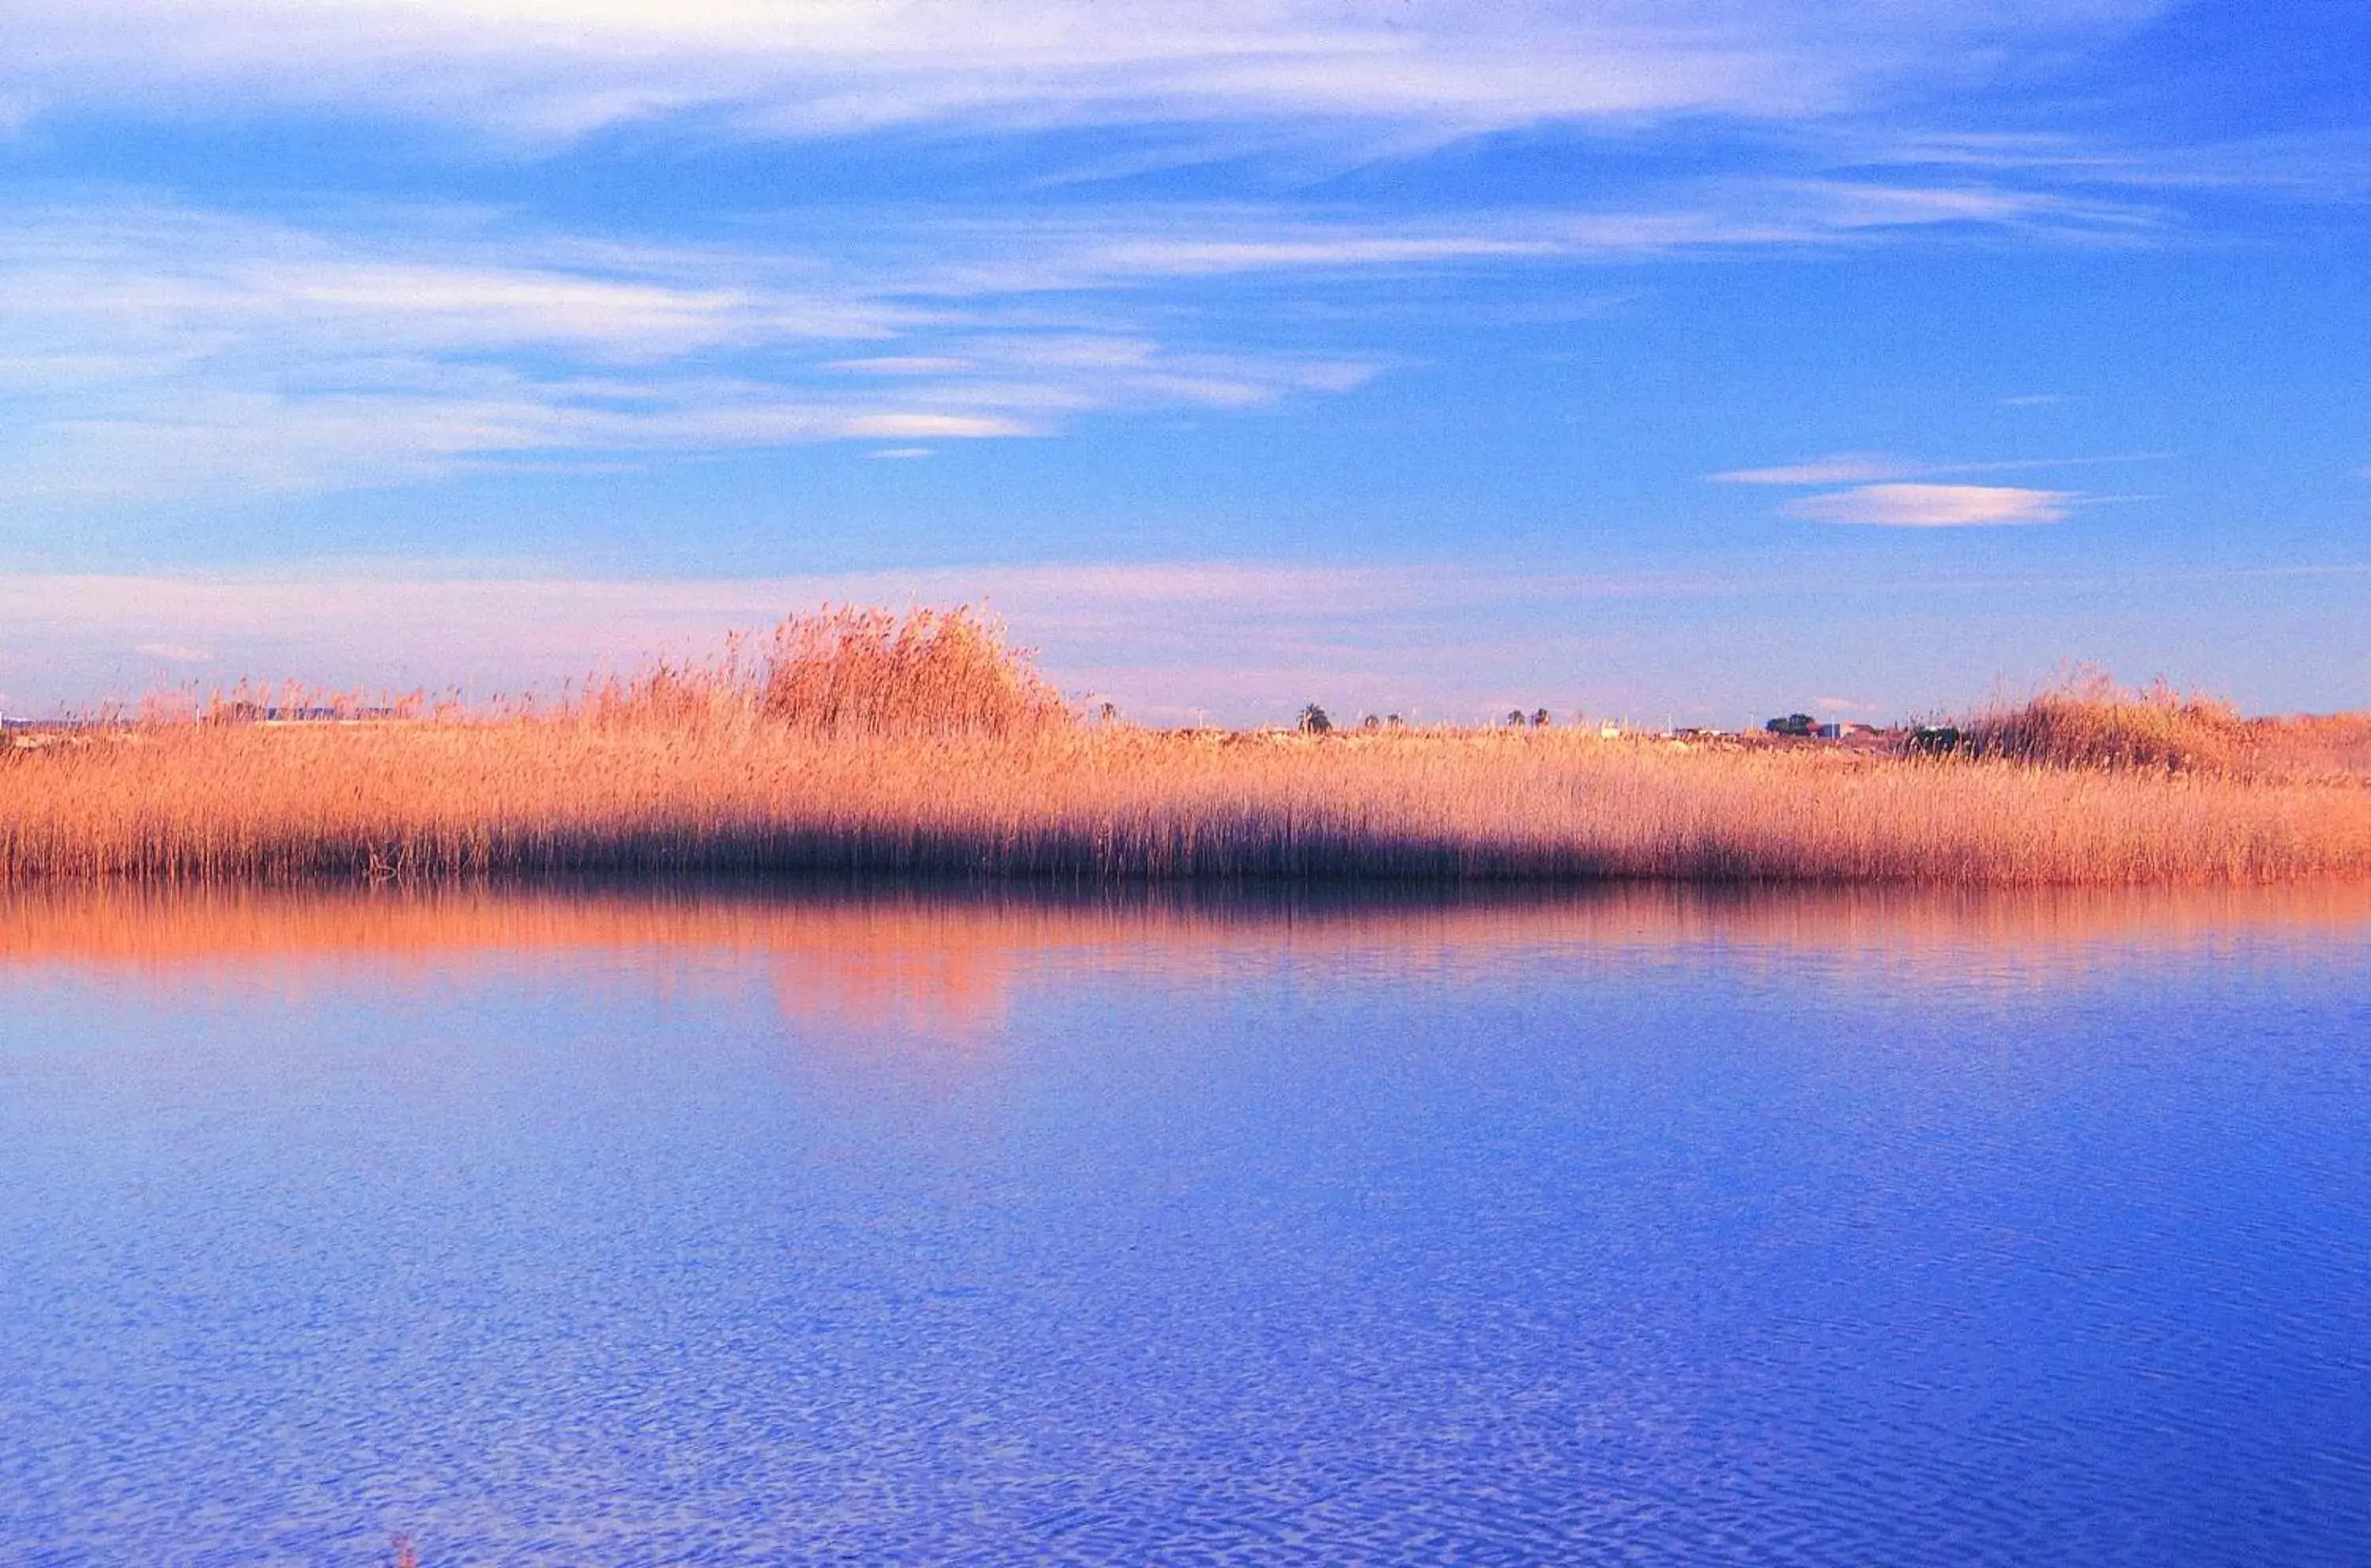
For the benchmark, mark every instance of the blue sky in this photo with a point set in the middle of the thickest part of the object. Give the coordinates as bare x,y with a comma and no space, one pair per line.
1689,361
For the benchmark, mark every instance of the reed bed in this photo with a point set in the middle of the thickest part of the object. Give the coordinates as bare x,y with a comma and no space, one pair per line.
866,743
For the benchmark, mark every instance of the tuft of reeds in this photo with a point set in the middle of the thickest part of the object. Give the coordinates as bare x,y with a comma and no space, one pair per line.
862,743
2088,720
868,672
852,671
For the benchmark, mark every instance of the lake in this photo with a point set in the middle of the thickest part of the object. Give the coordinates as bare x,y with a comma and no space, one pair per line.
735,1227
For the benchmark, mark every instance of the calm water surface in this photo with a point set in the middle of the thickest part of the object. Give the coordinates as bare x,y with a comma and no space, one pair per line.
727,1229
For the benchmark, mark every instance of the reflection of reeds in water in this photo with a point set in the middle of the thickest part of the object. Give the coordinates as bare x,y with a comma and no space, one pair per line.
907,974
871,743
945,962
943,972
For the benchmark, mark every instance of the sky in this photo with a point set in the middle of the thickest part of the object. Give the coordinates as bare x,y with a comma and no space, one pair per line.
1681,360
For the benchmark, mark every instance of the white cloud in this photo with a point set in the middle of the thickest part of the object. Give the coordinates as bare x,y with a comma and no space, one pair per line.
152,350
159,352
546,68
621,318
1875,203
2328,164
940,427
1933,507
1885,486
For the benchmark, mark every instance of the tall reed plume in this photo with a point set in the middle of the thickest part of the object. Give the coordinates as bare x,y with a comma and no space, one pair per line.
854,672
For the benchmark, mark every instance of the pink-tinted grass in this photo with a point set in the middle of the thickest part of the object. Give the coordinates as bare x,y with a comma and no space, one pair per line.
858,741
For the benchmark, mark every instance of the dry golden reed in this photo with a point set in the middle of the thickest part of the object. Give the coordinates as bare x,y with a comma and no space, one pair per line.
861,742
851,671
2090,721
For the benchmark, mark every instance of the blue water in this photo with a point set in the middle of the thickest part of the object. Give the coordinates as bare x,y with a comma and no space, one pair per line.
1646,1229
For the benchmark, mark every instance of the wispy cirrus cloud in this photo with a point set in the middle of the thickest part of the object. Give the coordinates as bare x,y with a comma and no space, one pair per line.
158,350
546,68
2331,164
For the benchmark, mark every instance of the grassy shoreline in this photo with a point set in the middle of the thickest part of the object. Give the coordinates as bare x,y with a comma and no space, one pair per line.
869,745
564,797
